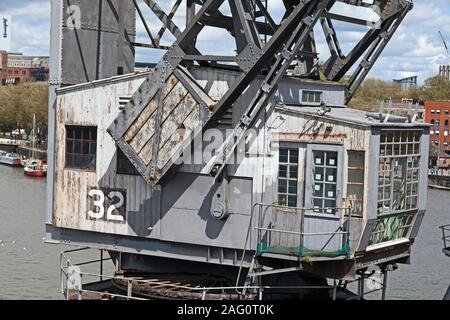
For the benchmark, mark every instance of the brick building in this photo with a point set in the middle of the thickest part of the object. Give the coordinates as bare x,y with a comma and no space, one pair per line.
437,113
17,68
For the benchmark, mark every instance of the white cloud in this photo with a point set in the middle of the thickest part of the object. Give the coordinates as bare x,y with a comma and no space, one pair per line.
415,49
31,25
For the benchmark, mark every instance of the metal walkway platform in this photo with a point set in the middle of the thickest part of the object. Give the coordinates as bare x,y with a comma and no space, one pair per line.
81,285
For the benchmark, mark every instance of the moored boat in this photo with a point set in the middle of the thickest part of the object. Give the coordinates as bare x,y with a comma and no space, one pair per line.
36,169
9,159
33,167
29,162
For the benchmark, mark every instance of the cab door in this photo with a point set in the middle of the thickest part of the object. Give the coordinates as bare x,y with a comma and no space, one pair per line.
323,197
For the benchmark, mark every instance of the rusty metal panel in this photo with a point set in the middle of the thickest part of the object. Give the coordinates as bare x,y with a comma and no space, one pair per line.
177,137
140,135
146,132
147,113
179,117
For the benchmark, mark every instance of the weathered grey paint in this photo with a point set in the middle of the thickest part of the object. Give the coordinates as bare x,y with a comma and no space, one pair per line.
174,218
54,84
373,173
323,223
179,212
99,48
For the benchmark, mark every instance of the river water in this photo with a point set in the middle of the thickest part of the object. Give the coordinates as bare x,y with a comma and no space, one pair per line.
29,268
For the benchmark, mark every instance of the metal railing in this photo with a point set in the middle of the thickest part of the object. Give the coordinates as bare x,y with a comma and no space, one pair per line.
75,285
446,236
73,279
283,230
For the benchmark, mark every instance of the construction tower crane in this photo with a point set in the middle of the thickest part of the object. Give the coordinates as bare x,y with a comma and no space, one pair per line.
444,43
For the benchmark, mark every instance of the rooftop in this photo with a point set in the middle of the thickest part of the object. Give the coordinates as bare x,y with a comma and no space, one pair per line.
354,117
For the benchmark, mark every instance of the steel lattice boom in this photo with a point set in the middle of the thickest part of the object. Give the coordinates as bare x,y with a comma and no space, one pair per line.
262,46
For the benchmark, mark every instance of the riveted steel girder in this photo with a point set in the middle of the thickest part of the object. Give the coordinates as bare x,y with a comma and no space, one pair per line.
145,130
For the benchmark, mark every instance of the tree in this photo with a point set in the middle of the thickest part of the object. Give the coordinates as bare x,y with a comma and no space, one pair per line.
19,103
373,91
435,89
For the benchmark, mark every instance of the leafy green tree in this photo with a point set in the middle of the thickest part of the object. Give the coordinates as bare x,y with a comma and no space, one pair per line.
435,89
19,103
373,91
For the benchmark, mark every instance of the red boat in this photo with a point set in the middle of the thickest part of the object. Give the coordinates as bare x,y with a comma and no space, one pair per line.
36,170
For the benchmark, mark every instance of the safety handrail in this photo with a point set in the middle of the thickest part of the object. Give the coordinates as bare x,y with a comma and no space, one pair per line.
446,235
345,232
199,291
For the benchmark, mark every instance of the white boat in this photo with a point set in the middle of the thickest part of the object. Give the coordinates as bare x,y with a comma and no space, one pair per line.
38,170
29,162
10,159
33,167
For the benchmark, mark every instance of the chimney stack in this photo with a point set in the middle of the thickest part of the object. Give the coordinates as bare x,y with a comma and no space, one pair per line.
444,71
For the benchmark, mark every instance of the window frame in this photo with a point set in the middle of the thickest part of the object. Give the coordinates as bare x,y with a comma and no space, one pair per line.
289,164
309,178
314,92
361,185
90,141
408,158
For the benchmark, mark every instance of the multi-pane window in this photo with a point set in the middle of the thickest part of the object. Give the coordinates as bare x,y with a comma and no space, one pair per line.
398,180
81,147
288,178
312,96
392,228
325,171
355,185
124,165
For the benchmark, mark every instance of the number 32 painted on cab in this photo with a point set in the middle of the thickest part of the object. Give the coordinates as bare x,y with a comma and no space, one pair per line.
108,205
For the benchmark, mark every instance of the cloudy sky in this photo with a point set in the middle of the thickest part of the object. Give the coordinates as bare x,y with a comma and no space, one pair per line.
416,49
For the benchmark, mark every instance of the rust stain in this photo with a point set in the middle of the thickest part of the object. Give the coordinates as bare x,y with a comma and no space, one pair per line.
181,133
310,136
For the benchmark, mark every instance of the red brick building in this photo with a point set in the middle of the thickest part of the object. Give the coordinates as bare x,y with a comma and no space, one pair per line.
437,113
17,68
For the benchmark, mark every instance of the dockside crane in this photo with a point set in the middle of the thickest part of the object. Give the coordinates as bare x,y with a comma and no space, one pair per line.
130,174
